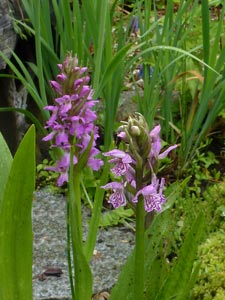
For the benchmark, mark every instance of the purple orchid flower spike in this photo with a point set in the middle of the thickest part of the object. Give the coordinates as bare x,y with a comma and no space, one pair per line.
72,117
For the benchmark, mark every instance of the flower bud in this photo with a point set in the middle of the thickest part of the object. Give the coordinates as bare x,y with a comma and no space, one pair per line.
137,132
141,141
72,76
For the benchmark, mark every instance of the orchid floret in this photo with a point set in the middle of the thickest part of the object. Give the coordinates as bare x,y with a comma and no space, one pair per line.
117,198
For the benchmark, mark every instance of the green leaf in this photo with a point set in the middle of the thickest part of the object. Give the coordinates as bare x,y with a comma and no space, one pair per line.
16,224
114,217
176,286
156,275
96,213
111,67
5,165
124,289
28,114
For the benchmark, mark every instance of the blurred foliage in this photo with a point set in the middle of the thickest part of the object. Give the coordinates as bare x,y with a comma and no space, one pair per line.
213,206
48,178
210,283
120,215
211,280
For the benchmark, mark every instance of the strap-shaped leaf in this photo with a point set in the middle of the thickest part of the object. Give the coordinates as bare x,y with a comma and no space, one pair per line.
16,224
5,165
177,284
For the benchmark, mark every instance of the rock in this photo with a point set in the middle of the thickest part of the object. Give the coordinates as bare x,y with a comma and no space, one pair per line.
12,94
7,34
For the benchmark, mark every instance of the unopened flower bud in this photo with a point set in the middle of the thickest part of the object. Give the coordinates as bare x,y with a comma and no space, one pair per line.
138,130
135,131
72,76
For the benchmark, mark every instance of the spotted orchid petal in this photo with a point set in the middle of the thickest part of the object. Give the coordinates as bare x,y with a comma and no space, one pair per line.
117,198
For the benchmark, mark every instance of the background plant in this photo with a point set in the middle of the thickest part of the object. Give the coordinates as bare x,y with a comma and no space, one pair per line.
177,56
186,73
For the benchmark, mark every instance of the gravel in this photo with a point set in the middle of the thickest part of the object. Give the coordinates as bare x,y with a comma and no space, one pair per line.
113,246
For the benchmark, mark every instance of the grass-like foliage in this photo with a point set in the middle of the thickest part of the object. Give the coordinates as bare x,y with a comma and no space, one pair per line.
183,47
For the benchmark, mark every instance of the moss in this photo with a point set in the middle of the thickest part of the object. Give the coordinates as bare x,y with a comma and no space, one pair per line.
213,207
210,284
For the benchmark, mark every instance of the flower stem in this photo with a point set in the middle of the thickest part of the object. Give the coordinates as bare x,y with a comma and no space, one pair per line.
82,271
139,251
139,238
69,250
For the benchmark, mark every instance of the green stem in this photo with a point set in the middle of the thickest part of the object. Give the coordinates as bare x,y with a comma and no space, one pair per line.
76,208
82,271
75,231
139,250
69,249
139,237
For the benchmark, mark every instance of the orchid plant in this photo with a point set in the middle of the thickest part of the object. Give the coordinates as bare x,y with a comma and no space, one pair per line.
74,132
136,167
134,164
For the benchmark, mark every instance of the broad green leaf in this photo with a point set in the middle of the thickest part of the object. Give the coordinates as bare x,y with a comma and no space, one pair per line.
191,282
5,165
175,283
16,224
